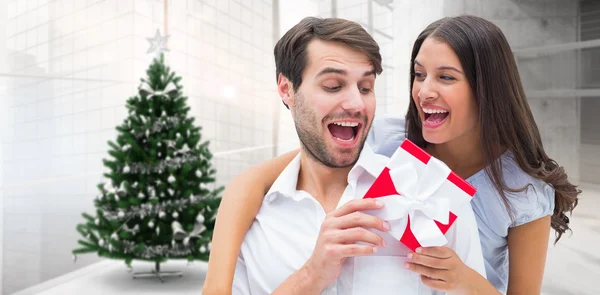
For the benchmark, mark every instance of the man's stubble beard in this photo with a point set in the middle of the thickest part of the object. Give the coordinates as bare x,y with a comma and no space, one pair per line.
312,143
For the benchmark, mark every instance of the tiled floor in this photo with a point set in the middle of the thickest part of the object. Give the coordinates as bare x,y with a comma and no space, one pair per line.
573,266
112,277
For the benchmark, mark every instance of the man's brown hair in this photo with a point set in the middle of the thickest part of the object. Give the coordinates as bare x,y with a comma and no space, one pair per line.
291,50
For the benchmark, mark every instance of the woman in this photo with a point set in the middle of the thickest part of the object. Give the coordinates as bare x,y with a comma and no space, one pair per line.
469,110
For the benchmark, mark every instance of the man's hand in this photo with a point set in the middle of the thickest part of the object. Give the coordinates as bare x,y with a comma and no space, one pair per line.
340,232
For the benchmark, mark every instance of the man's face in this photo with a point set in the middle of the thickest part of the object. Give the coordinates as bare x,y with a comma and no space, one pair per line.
335,104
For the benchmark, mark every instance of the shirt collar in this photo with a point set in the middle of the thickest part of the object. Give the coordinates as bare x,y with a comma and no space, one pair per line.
369,162
287,181
285,185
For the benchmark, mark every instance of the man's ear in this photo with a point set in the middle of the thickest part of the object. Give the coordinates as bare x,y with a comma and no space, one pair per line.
285,89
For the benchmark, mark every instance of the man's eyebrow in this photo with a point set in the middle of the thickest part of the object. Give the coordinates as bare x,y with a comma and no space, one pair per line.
332,71
369,73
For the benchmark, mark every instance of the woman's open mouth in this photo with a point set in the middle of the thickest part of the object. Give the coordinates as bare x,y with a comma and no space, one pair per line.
433,118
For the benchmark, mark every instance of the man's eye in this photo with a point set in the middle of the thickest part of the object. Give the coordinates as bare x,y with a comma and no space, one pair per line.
365,90
332,88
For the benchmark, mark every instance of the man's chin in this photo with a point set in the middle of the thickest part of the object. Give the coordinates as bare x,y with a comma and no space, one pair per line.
343,159
334,156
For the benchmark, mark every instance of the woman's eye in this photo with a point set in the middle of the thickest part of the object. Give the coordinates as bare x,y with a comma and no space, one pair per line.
419,75
447,78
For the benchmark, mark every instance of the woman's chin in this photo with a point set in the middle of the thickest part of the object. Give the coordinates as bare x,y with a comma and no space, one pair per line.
434,138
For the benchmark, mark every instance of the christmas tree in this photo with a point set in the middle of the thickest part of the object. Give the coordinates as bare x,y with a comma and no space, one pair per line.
156,203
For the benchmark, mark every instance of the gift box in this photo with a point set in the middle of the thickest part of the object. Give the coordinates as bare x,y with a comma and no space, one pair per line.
421,195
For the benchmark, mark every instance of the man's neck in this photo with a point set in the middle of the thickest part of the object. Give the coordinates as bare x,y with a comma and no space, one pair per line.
324,183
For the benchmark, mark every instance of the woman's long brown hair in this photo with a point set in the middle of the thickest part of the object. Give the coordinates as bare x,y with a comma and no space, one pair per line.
508,123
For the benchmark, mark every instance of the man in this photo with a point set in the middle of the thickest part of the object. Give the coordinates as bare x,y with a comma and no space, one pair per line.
311,220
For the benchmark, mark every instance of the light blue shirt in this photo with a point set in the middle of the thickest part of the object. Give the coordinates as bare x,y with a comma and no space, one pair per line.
493,219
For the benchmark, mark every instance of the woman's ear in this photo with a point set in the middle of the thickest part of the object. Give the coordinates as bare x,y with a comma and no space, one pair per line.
285,89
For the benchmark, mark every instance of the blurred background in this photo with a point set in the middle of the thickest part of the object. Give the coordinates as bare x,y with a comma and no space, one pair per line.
67,68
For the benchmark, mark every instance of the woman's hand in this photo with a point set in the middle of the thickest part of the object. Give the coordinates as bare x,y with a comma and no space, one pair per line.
441,269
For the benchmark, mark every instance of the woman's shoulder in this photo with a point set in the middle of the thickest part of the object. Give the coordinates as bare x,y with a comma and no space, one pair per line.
529,198
386,134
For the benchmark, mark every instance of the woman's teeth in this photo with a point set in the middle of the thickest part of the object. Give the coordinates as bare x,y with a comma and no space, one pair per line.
432,111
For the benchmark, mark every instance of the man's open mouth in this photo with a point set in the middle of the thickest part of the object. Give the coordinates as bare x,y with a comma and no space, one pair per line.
344,131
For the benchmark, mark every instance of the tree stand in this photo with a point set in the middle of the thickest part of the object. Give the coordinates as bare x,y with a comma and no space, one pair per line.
157,273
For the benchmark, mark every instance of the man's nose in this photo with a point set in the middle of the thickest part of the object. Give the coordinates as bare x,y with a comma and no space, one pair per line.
353,101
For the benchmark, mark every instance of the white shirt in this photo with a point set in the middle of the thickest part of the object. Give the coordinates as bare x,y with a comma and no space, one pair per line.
285,230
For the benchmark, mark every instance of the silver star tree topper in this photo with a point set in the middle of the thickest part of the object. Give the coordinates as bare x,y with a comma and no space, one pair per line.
158,44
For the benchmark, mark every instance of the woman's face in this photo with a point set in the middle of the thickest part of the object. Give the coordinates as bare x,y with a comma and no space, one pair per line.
443,95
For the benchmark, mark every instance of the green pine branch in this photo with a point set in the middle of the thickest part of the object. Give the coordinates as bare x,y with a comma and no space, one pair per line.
138,144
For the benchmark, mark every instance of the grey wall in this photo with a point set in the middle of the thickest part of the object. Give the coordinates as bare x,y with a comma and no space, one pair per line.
526,24
536,23
590,79
590,140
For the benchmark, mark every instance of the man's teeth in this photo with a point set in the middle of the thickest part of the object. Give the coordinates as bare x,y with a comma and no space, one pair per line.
346,124
345,140
432,111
